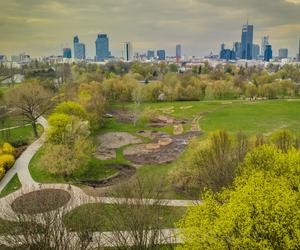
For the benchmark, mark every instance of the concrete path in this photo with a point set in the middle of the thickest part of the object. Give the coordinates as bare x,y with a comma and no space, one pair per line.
21,165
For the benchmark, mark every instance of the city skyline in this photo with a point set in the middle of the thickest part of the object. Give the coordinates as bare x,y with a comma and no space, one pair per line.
46,27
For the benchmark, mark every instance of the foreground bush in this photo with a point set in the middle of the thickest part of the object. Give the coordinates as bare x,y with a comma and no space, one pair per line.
261,212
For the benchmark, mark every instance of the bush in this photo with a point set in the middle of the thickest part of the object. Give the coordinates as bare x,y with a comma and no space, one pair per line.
2,172
19,142
8,149
283,139
6,161
71,108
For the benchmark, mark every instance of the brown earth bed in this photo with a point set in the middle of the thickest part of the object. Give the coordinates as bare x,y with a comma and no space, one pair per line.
40,201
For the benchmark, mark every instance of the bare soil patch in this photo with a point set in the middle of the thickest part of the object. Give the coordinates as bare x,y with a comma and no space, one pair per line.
40,201
109,142
163,149
124,115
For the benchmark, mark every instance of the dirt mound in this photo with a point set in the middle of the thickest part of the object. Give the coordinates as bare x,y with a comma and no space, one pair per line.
109,142
123,115
142,154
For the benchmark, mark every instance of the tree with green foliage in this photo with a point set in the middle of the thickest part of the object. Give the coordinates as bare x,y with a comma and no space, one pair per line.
71,108
259,212
283,139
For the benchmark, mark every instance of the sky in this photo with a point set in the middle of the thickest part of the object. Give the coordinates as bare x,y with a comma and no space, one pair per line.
44,27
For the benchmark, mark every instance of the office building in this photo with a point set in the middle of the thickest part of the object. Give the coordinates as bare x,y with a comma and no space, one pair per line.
79,49
161,55
299,52
67,53
247,41
178,52
127,51
150,54
283,53
237,47
268,53
102,48
264,43
2,58
227,54
255,51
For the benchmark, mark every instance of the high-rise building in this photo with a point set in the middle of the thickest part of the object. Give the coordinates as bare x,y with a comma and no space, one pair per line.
2,58
150,54
161,54
237,47
264,43
79,49
268,53
128,51
255,51
247,41
299,52
227,54
283,53
102,47
67,53
178,52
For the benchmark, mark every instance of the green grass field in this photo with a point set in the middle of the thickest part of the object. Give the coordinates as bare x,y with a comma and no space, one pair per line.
13,185
95,170
94,217
233,116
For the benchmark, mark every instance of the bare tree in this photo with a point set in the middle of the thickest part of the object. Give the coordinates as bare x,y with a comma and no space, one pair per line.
45,230
136,221
30,99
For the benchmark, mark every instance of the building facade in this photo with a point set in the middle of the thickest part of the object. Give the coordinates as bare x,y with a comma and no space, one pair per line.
67,53
102,48
178,52
264,43
283,53
161,55
237,47
268,53
150,54
247,41
79,49
255,51
299,52
127,51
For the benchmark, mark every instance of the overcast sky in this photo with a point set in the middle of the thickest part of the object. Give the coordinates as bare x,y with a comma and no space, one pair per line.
44,27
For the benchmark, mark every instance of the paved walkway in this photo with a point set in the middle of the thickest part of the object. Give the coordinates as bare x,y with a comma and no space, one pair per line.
78,197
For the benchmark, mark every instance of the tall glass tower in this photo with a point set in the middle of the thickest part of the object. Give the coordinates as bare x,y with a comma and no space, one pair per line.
247,41
79,49
102,47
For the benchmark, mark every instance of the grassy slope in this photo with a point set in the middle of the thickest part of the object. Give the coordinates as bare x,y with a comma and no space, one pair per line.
13,185
95,170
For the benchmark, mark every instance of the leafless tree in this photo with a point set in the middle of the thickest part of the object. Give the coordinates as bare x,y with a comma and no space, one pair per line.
30,99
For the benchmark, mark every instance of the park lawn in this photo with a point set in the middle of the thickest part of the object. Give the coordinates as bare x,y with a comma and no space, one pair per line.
94,217
12,121
24,134
95,170
13,185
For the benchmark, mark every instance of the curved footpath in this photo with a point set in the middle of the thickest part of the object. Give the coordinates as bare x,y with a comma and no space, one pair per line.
78,197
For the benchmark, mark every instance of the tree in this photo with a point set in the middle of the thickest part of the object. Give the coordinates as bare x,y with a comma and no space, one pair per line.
71,108
31,100
260,212
283,139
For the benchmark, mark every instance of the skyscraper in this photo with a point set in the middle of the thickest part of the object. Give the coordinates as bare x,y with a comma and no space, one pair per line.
268,53
161,54
255,51
264,42
237,47
128,51
227,54
67,53
150,54
79,49
178,52
247,41
283,53
102,47
299,52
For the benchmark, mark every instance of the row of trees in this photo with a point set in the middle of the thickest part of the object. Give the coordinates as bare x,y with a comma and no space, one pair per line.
259,211
216,162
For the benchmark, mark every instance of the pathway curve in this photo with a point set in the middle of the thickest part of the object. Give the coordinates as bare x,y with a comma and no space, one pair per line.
78,197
